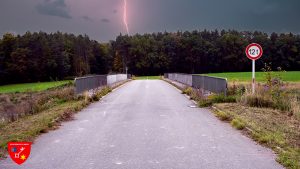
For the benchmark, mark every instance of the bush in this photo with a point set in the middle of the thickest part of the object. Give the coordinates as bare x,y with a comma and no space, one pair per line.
188,91
236,89
222,115
257,100
295,107
100,93
133,77
205,103
223,99
238,124
279,98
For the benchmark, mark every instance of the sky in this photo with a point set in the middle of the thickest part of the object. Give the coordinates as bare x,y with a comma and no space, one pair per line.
102,20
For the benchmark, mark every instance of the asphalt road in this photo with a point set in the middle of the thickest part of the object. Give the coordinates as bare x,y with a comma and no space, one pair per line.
146,125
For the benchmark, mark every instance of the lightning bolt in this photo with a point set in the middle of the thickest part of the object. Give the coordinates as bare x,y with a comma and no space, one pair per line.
125,16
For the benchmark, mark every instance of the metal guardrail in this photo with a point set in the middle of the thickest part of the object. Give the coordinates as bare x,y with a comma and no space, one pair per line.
186,79
112,79
87,83
212,84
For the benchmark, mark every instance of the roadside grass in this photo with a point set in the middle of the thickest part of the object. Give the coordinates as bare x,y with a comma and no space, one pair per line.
16,105
290,76
31,87
272,128
147,78
27,127
223,116
238,123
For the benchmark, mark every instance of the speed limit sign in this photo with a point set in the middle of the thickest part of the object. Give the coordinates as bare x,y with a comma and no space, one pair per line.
254,51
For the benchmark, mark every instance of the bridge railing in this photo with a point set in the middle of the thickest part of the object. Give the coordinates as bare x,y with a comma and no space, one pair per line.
186,79
212,84
87,83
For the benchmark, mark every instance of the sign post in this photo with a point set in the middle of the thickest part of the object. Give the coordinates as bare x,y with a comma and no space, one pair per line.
254,51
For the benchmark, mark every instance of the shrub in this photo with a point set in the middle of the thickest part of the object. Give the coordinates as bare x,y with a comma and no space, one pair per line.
87,98
205,103
197,95
96,97
188,91
222,115
257,100
295,107
100,93
235,89
238,124
133,77
223,99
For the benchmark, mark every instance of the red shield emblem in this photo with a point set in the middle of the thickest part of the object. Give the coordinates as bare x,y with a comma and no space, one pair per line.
19,151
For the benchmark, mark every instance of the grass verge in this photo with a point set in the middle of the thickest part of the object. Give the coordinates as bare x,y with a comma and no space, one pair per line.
272,128
28,127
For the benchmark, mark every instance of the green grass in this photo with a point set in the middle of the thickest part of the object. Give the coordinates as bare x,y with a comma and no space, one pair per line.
293,76
222,115
148,78
238,124
31,87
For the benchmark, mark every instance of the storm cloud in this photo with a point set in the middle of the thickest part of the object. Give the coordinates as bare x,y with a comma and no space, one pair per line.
87,18
103,19
54,8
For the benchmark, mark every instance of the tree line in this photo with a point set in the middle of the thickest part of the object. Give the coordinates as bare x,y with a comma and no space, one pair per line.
205,51
42,57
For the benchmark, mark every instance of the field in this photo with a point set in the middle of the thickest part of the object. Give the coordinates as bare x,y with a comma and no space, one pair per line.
147,78
31,87
293,76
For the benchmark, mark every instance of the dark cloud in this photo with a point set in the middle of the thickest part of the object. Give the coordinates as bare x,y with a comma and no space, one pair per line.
148,16
86,18
105,20
54,8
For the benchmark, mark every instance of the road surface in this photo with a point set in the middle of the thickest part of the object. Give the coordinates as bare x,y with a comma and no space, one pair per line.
146,124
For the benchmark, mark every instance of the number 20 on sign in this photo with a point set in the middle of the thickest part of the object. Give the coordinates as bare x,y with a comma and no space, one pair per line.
254,51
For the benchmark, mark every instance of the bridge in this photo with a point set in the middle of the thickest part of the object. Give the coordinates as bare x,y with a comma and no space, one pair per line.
146,124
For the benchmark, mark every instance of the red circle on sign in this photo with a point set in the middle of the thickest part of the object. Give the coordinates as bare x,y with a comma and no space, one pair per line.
254,57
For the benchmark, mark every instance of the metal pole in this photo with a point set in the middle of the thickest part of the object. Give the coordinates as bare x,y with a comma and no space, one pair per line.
253,76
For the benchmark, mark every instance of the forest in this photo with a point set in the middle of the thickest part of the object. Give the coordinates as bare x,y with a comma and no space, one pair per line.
44,56
40,56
